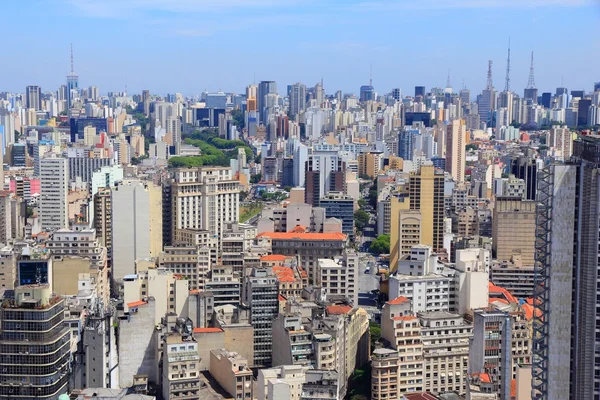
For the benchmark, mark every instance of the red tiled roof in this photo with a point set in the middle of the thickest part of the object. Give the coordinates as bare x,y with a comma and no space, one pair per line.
404,318
303,236
338,310
419,396
299,229
136,303
499,290
485,378
207,330
398,300
281,298
273,257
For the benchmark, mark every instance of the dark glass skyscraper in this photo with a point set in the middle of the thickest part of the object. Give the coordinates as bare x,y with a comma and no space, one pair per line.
367,93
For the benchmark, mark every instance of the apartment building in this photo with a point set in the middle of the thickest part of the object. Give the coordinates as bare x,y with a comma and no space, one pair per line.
232,372
180,367
338,277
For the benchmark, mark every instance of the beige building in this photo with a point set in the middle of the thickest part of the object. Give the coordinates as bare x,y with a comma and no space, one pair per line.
513,229
456,140
384,374
280,383
232,373
180,366
103,219
204,198
193,262
369,164
426,194
468,222
8,265
208,339
339,277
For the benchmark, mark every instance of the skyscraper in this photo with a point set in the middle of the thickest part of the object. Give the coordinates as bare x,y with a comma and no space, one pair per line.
420,91
297,99
72,83
487,100
426,192
33,97
54,187
455,150
530,92
566,340
367,92
264,88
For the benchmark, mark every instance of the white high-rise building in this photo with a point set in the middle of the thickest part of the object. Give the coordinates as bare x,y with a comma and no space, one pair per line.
204,198
54,188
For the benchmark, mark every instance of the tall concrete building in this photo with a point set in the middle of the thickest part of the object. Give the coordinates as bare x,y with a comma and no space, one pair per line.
265,88
566,341
338,205
34,344
426,192
204,198
513,229
325,171
102,220
33,97
136,225
297,99
54,188
455,150
261,294
560,140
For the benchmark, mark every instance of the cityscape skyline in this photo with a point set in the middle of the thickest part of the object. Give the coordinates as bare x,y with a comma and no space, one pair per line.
423,58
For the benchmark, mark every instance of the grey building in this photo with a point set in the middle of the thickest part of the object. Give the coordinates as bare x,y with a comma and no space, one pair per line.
261,293
337,205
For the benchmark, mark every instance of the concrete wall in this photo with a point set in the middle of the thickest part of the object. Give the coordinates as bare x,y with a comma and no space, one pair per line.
65,274
208,341
238,338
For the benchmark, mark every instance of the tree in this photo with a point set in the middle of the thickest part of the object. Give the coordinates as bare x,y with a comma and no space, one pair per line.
287,188
375,331
361,219
373,196
471,146
239,118
362,203
258,159
381,245
255,178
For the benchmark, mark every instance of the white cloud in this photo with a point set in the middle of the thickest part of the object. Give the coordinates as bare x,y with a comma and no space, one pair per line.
466,4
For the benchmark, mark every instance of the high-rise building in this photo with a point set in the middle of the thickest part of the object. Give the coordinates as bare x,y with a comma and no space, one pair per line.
136,225
325,172
397,94
297,99
265,88
102,220
72,84
513,227
369,164
420,91
525,168
33,97
426,193
455,150
204,198
338,205
54,187
406,143
367,93
560,140
34,344
566,340
261,294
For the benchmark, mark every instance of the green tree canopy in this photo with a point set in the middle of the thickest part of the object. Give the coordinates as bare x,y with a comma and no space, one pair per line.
381,245
361,219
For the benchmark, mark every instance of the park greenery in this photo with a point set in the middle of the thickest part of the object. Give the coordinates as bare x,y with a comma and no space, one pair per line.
381,245
361,220
249,211
214,151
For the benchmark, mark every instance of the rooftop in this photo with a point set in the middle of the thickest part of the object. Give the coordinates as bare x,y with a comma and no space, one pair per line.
303,236
398,300
338,309
207,330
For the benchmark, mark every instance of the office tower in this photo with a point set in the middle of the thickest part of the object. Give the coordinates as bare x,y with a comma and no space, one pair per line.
33,97
487,100
566,341
583,109
525,168
513,227
34,344
426,192
546,99
54,187
406,143
465,96
261,293
419,91
530,92
297,99
397,94
505,102
455,150
136,225
204,198
369,164
319,93
93,93
72,83
102,221
367,93
338,205
264,88
300,160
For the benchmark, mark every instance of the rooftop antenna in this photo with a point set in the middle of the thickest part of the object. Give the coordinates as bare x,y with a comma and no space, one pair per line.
72,69
531,82
490,83
507,83
448,84
371,76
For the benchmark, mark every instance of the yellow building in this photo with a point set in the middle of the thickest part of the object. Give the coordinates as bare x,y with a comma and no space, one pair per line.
396,163
368,164
455,150
426,192
405,229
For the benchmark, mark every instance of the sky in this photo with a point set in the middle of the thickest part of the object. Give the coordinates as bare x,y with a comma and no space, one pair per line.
189,46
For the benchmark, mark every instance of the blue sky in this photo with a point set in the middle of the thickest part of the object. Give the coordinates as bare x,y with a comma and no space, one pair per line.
188,46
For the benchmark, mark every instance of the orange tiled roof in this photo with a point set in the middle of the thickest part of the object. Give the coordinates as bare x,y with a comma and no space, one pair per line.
499,290
284,274
136,303
529,310
207,330
281,298
303,236
513,388
338,310
485,378
273,257
404,318
398,300
299,229
194,291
